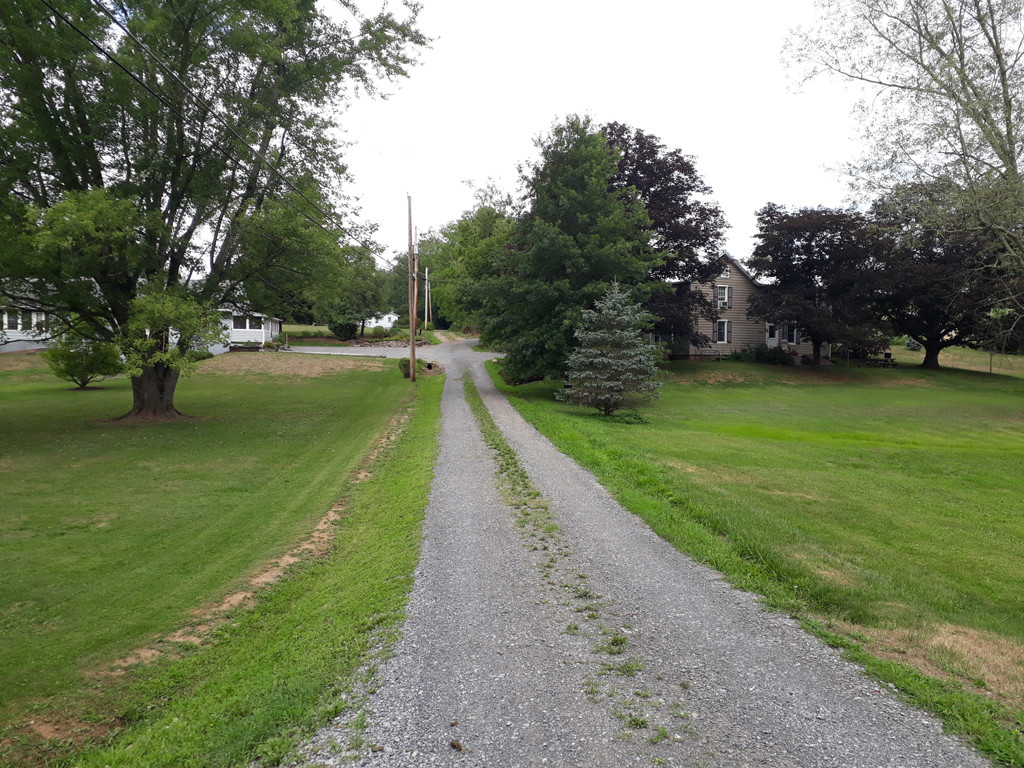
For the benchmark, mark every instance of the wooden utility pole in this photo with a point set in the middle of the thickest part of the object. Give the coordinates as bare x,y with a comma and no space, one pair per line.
426,299
412,301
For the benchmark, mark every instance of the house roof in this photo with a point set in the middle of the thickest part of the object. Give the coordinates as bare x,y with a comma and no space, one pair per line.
735,262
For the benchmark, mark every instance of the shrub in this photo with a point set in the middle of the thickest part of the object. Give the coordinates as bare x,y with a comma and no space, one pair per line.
343,330
195,355
80,360
379,333
913,344
403,366
762,354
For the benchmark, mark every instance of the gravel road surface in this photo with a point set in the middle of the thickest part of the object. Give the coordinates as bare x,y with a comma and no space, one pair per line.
607,648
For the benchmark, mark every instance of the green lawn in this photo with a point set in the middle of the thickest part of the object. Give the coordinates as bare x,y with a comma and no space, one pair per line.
111,534
887,503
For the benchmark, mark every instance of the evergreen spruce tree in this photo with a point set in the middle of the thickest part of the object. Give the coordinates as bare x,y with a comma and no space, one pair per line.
614,365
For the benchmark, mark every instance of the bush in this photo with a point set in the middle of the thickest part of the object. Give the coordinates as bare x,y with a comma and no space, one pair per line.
80,360
403,366
195,355
379,333
913,344
342,330
762,353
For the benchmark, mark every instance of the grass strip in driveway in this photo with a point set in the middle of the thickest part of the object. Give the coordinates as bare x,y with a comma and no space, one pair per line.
882,506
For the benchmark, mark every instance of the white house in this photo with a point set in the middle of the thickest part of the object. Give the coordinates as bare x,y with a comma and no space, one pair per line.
22,330
28,330
247,329
386,320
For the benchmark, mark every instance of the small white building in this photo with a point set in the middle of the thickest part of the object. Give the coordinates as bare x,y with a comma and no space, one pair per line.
387,320
22,329
30,330
247,329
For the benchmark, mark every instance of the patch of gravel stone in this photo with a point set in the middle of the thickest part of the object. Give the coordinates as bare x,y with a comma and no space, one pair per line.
667,664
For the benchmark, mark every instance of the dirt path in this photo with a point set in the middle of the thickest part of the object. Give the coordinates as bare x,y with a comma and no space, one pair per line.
599,644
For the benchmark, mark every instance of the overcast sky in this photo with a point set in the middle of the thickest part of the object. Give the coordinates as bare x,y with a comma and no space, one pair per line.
705,78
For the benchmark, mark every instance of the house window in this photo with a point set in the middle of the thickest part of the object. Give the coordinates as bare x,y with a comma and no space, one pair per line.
771,332
255,323
792,336
723,331
238,323
726,272
723,296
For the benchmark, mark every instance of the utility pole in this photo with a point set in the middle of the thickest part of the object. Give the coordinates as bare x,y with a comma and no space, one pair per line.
426,298
412,302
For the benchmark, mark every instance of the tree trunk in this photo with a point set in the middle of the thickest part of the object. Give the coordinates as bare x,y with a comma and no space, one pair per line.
931,356
153,395
816,351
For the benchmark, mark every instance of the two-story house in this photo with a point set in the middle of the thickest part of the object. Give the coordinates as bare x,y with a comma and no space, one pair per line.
733,330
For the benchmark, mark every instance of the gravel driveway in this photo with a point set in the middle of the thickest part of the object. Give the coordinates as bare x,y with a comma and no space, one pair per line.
604,646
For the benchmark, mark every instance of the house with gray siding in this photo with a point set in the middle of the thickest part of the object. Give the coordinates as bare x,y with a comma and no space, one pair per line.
732,330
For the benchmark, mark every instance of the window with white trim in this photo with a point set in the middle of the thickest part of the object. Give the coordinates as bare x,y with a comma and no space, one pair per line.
238,323
792,333
255,323
723,296
723,331
726,272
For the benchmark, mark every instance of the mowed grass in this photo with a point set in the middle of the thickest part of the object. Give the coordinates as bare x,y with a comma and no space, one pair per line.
962,358
111,534
886,504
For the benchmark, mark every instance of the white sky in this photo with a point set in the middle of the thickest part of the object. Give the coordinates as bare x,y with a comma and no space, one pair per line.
704,77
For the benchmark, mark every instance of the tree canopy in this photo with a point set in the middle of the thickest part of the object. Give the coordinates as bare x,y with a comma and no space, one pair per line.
580,233
687,228
936,280
948,101
182,146
818,263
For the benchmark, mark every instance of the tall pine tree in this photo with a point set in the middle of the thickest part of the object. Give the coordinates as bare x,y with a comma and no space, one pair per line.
579,235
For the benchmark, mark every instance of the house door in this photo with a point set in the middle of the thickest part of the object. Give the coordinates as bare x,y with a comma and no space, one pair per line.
773,336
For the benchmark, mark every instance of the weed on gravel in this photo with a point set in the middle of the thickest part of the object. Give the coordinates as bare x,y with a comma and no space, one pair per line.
540,532
792,493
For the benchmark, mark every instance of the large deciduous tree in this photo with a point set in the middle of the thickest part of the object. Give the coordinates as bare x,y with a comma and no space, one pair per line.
687,228
580,233
948,101
937,282
461,254
173,132
820,266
